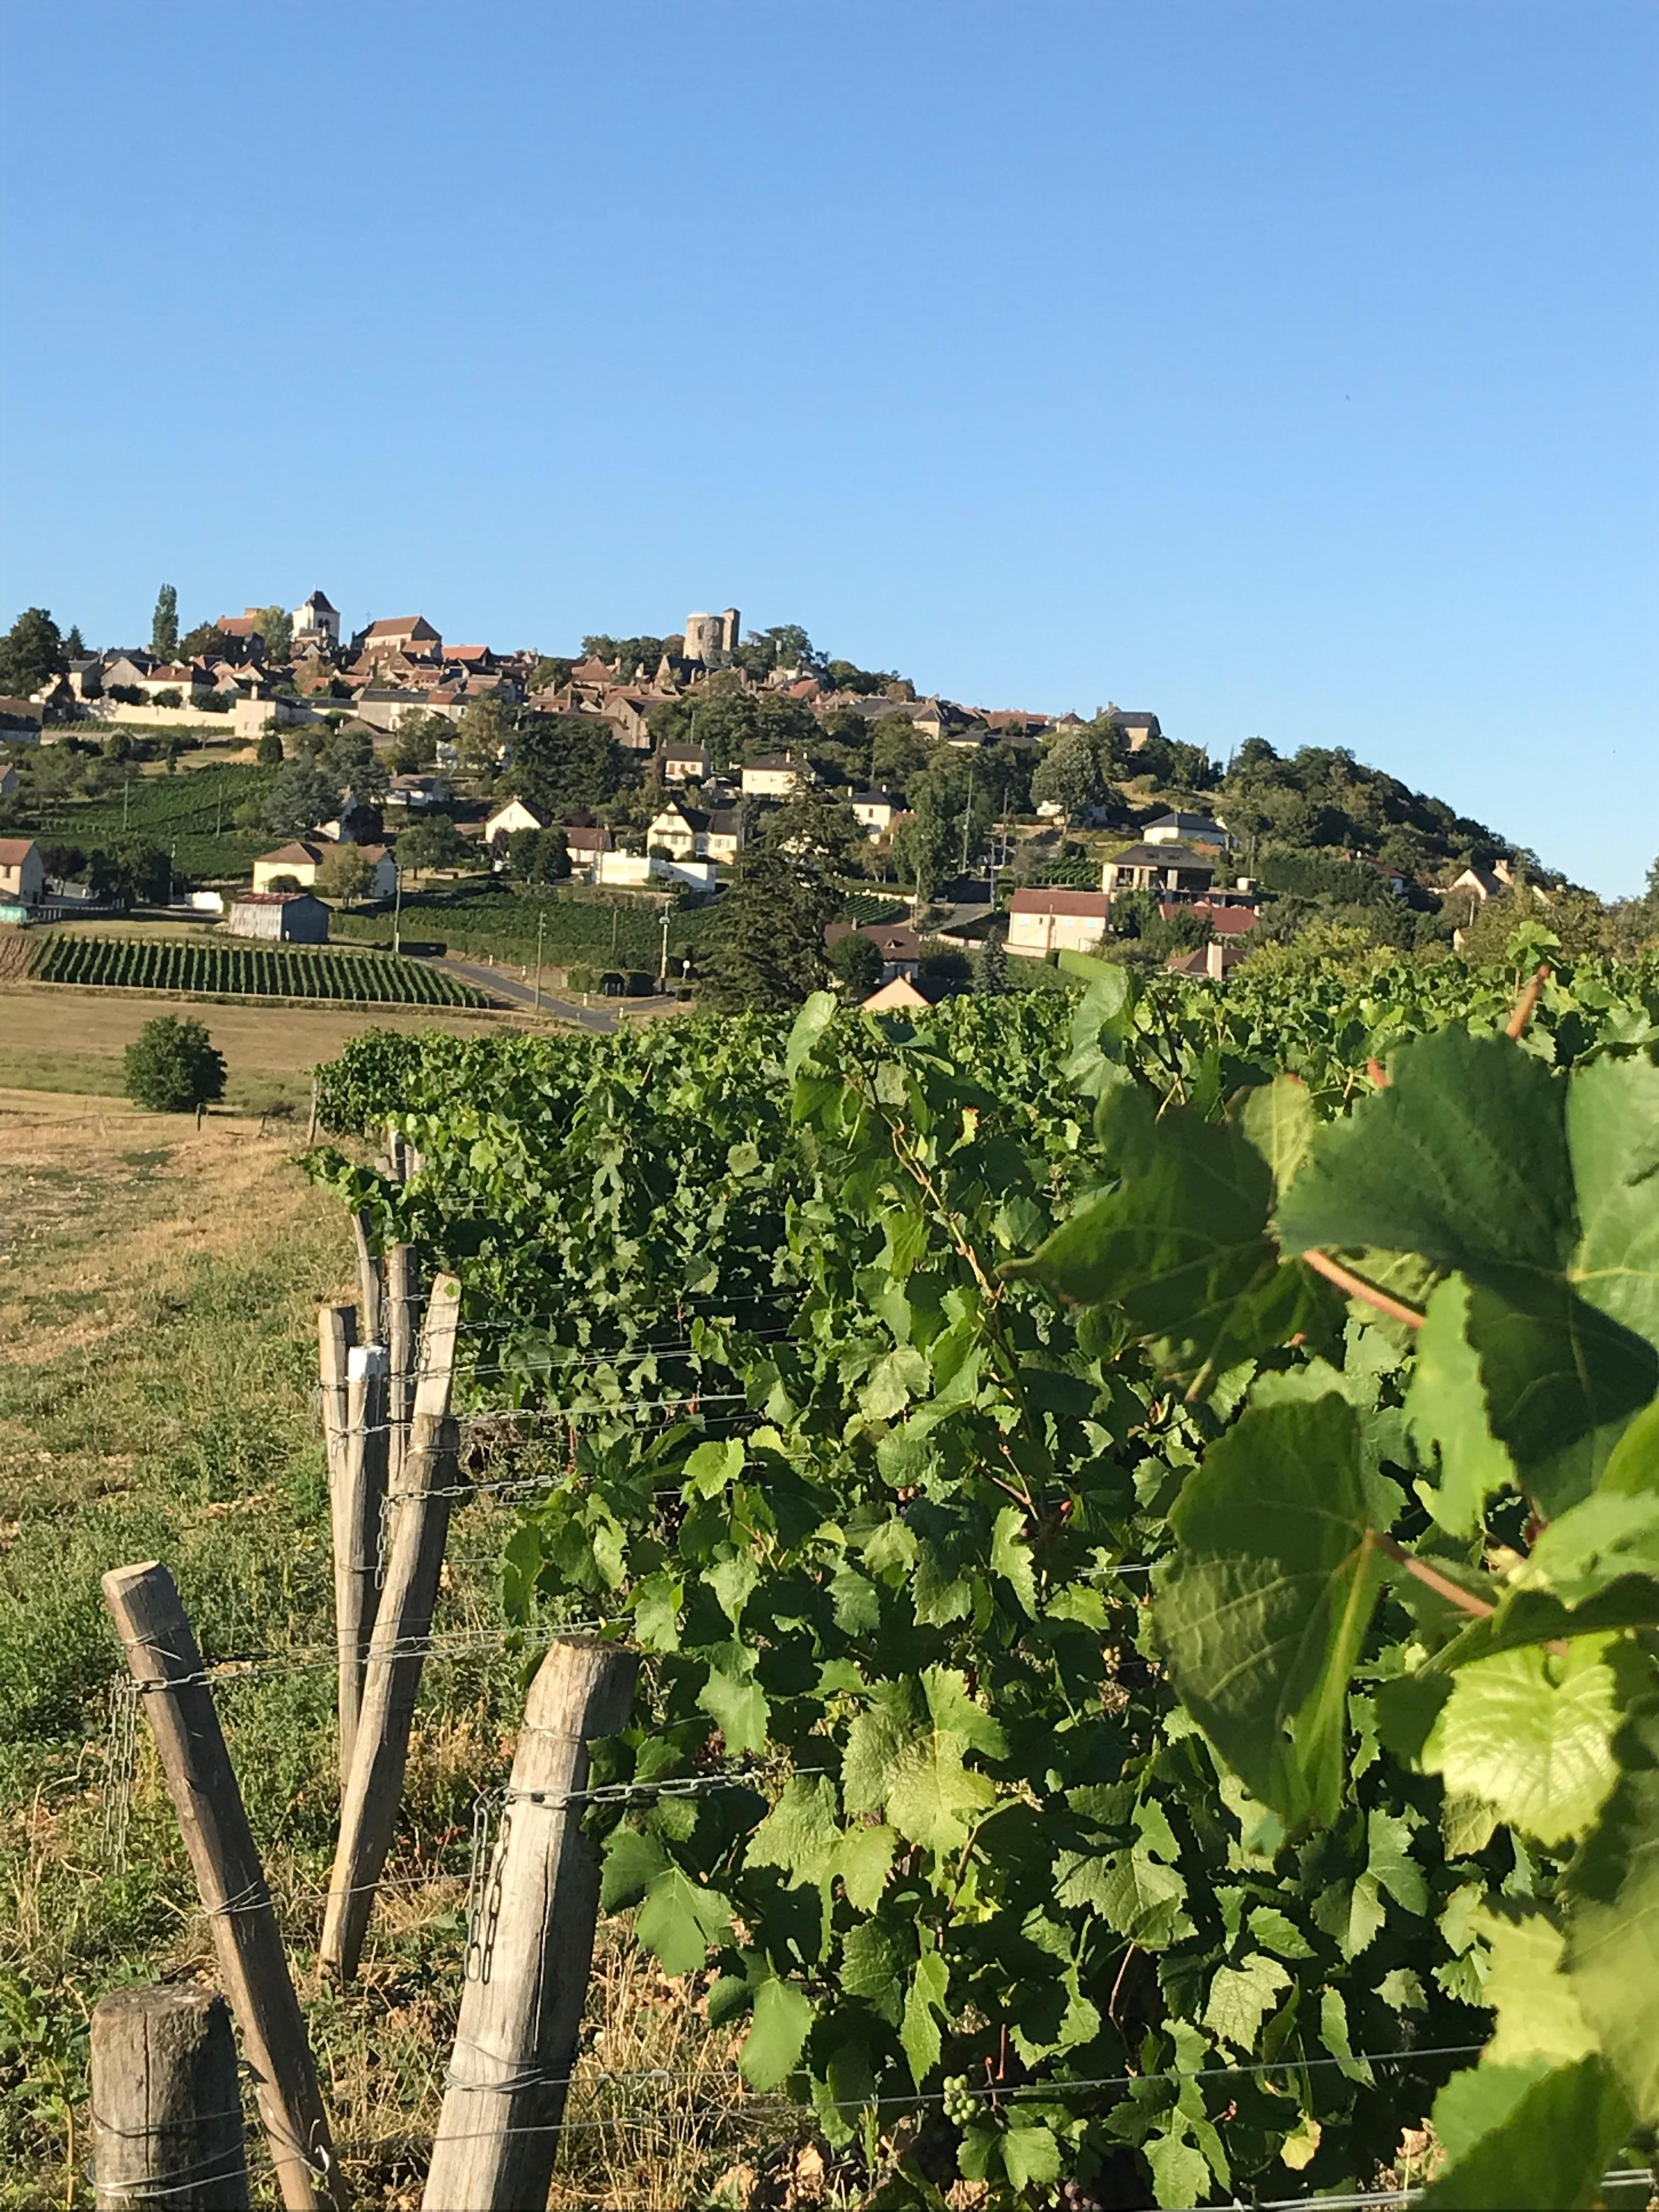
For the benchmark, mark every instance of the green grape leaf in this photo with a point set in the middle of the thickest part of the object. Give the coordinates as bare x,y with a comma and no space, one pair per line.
712,1467
1446,1415
1130,1891
1030,2155
1277,1932
679,1920
739,1710
771,2050
873,1962
1545,2150
1011,1557
800,1833
1612,1924
919,2030
1182,1243
904,1374
1242,1996
1263,1612
1531,1733
1540,2019
632,1863
1278,1118
864,1858
1472,1159
1181,2174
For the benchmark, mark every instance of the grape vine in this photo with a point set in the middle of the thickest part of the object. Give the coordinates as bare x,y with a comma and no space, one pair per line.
1190,1527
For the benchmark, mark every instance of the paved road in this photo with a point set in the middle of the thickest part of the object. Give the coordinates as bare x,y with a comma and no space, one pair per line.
502,984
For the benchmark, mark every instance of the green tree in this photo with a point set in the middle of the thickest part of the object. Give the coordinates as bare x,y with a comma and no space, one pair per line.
415,745
561,761
898,754
735,725
1070,776
536,858
131,874
485,732
991,966
345,874
549,674
276,626
855,963
164,624
170,1066
433,843
207,642
769,950
300,796
74,645
815,827
926,851
269,751
31,654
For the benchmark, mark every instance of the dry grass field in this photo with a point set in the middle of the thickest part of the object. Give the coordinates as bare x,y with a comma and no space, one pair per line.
70,1040
158,1289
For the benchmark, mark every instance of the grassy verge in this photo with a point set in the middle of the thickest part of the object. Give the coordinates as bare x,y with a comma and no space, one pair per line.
157,1293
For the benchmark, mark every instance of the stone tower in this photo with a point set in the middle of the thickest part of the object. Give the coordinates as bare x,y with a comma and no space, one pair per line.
702,637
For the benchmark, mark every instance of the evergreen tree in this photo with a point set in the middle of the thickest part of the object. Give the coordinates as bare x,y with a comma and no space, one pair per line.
991,967
769,952
164,623
74,645
31,654
300,797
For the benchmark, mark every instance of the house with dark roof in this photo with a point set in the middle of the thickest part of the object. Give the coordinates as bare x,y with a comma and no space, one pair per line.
899,945
777,775
909,994
1166,868
1172,828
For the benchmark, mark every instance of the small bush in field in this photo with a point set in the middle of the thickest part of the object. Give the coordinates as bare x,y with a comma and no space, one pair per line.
172,1066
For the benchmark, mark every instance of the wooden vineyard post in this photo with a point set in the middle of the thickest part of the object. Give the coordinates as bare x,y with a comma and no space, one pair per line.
357,1497
532,1948
403,1297
166,1665
368,1280
337,1332
167,2106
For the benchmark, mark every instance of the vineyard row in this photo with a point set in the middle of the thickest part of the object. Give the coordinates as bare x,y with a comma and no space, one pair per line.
279,971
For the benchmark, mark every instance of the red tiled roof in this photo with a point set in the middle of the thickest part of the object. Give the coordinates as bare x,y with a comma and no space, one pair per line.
1223,921
14,851
1094,903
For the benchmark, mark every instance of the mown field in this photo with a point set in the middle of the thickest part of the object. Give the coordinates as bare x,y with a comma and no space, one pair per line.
158,1291
73,1040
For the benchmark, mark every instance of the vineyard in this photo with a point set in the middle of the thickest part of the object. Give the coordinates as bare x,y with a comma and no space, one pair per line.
239,969
1160,1497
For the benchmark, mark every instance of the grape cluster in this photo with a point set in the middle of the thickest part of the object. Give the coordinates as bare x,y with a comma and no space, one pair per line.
960,2106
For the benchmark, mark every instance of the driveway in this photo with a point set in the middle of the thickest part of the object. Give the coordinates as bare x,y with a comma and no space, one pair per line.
502,984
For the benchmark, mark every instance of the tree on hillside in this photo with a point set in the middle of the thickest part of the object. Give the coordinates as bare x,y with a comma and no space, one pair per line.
345,874
735,725
164,624
855,963
434,842
276,626
300,796
484,732
31,654
269,751
415,748
561,761
550,673
898,751
172,1066
207,642
926,851
768,952
74,645
131,874
991,966
815,827
538,858
1070,776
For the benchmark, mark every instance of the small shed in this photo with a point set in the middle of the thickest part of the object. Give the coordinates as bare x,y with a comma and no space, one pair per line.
289,917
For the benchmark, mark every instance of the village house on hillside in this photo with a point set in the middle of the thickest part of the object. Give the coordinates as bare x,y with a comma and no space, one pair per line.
1056,919
777,776
1149,867
22,873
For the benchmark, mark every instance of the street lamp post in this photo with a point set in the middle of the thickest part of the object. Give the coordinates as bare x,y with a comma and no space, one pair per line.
541,924
662,965
398,912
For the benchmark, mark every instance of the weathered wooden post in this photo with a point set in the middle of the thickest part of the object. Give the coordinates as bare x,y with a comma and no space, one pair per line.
337,1332
357,1497
166,1665
368,1280
402,1298
391,1682
167,2108
532,1949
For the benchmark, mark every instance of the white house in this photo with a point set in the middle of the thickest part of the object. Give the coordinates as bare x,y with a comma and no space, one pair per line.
301,861
517,814
417,793
635,871
22,871
683,763
1046,920
688,833
875,810
1170,828
777,776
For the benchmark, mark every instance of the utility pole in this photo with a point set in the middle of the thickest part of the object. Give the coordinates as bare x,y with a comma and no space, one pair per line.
967,821
541,924
398,910
126,793
662,965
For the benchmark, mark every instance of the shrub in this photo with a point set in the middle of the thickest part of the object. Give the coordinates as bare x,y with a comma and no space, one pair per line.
269,750
172,1066
215,702
168,698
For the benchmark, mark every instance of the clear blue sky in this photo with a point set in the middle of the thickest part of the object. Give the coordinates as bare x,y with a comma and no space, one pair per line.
1287,368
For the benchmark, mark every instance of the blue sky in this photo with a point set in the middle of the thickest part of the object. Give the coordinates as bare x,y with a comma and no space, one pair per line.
1285,368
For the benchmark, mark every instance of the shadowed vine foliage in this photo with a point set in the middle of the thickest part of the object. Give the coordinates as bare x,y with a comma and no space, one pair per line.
1185,1731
